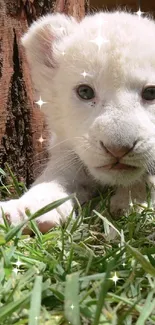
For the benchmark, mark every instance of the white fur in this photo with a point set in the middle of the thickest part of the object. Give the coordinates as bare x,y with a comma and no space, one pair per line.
117,116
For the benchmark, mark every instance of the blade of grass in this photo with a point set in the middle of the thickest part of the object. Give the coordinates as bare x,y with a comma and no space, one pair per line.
106,221
8,309
147,266
148,307
6,224
105,285
36,230
27,277
2,239
11,307
13,231
35,304
72,309
2,172
5,257
51,206
15,182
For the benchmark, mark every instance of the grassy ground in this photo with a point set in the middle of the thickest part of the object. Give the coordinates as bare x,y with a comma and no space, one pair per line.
91,271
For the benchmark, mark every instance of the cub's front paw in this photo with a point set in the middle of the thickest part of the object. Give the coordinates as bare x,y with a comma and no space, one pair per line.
119,205
15,212
33,200
120,201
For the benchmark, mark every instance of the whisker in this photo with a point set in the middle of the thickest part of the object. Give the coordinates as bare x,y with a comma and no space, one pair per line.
61,162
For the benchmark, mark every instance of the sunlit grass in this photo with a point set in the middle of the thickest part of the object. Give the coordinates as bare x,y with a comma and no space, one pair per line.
93,270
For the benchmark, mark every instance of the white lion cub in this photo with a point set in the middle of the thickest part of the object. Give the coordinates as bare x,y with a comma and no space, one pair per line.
98,79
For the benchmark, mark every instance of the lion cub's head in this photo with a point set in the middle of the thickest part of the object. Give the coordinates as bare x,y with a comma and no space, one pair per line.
98,79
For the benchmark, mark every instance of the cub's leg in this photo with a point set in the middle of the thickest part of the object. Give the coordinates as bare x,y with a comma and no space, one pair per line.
137,193
36,198
52,185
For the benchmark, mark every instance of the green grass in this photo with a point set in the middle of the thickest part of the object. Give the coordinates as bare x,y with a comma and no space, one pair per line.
66,276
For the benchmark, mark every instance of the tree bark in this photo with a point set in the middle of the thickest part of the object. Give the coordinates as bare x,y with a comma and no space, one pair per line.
21,121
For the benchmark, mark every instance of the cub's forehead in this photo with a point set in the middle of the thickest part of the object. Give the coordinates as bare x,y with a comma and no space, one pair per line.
118,25
112,35
113,45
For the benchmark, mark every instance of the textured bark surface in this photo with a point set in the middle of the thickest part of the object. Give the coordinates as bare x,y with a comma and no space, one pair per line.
145,6
21,121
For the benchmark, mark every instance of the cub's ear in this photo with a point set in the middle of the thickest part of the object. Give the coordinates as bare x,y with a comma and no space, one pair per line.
40,39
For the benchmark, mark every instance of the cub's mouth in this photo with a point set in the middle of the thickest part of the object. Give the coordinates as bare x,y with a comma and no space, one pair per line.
117,166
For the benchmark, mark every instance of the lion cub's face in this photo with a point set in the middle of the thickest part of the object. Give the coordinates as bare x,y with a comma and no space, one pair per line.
99,80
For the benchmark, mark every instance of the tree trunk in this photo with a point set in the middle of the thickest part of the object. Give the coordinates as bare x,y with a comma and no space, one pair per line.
133,5
21,121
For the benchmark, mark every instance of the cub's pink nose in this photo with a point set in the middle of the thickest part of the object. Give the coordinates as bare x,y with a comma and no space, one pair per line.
117,152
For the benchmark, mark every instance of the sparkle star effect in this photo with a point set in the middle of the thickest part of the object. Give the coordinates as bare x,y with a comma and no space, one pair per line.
37,319
99,40
85,74
40,102
139,13
114,278
18,263
130,200
72,306
41,139
131,204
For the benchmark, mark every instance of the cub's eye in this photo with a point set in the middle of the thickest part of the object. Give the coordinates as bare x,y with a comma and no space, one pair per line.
85,92
148,93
